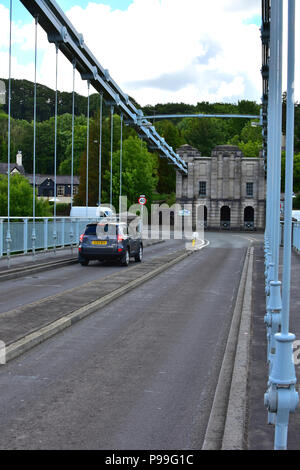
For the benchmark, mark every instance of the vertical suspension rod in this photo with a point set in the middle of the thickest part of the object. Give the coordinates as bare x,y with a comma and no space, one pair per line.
100,149
278,134
33,236
8,235
290,113
72,153
73,127
87,152
121,162
55,147
270,148
111,151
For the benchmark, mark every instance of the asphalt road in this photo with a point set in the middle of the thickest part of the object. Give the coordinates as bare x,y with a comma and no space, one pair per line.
23,290
140,373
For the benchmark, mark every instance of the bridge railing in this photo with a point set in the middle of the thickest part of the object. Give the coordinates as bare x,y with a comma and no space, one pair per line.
296,236
68,232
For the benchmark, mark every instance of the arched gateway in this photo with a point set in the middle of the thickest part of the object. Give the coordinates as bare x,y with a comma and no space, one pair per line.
249,218
225,217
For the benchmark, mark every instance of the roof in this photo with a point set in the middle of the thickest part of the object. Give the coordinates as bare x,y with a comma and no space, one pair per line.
4,168
226,148
60,179
186,147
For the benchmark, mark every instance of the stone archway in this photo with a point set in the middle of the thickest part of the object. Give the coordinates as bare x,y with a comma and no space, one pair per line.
205,216
225,217
249,218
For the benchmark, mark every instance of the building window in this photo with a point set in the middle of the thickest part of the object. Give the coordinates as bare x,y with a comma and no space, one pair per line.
202,189
60,190
249,189
75,190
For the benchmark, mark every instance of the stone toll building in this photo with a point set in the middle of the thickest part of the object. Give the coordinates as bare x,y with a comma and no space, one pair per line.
230,186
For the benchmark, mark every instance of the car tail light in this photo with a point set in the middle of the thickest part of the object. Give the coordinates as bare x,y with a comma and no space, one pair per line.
119,238
81,237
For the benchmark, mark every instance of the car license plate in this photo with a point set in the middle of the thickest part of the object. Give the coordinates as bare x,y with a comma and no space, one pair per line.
99,243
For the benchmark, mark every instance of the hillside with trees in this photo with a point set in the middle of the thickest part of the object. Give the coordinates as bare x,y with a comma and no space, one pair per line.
143,172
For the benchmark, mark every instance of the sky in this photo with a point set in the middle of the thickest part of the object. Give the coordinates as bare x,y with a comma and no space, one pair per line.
158,51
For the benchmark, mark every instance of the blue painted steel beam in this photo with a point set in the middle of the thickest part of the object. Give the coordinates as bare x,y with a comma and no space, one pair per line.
227,116
71,43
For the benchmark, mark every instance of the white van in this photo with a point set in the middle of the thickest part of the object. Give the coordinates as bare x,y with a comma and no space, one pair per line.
296,215
91,212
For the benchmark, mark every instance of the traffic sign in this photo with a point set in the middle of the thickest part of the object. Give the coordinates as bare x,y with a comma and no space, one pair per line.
184,213
142,200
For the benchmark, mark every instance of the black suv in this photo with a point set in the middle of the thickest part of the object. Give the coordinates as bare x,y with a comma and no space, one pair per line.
109,241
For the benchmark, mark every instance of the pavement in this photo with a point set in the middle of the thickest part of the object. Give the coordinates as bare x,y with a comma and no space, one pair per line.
260,435
141,371
32,322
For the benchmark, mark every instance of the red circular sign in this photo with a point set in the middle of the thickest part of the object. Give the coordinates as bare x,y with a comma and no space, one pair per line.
142,200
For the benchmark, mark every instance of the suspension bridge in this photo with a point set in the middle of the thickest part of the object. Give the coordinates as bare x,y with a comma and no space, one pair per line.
227,278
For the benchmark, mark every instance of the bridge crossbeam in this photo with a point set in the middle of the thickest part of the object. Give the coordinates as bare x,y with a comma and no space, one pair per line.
71,43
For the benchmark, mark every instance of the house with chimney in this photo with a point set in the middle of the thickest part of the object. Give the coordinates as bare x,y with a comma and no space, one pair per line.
44,183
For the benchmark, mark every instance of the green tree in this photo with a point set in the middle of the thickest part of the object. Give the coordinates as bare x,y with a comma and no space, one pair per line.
296,173
139,175
21,198
250,149
249,141
204,134
296,202
94,158
79,149
166,172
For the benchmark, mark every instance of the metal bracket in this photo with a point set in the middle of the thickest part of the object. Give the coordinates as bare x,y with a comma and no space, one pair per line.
57,38
90,75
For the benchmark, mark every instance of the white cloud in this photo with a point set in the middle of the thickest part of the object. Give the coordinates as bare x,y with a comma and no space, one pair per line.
157,50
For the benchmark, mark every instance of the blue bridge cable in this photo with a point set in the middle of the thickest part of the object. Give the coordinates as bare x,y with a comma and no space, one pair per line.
72,153
282,398
288,205
87,151
270,139
55,149
273,301
100,148
33,236
8,235
111,152
121,163
283,373
278,136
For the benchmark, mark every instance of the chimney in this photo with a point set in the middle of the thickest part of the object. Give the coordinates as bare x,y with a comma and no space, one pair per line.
19,158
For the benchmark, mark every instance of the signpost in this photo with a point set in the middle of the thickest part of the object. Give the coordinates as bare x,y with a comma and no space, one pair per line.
142,201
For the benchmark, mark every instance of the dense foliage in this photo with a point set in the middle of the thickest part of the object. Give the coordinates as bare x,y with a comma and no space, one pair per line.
296,172
139,166
21,198
155,176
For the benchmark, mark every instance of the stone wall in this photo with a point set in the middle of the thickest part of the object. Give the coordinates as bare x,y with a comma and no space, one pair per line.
226,175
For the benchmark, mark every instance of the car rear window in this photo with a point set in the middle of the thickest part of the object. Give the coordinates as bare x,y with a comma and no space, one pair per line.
90,230
106,230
